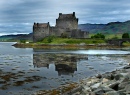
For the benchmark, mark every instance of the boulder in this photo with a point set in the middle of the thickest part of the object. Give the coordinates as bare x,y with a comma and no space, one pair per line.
114,93
127,67
114,86
122,85
102,90
127,88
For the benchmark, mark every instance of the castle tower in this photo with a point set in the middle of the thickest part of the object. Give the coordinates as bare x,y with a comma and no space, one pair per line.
67,21
40,30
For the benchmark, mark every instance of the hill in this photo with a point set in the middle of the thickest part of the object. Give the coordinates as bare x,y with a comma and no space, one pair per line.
16,37
110,28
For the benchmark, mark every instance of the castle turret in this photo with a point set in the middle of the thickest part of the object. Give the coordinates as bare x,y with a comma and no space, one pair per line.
67,21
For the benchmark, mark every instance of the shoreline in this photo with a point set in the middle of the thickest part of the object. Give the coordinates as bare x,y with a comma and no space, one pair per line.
67,46
109,83
116,82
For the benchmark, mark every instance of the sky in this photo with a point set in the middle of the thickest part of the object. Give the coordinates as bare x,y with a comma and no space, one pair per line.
18,16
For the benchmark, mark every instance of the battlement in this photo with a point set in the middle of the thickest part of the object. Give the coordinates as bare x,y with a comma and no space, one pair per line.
67,16
43,25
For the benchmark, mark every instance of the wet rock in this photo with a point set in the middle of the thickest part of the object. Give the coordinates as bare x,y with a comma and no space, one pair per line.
113,93
127,88
126,79
95,86
99,76
102,90
86,89
105,80
109,76
117,76
91,93
127,67
124,74
122,85
114,86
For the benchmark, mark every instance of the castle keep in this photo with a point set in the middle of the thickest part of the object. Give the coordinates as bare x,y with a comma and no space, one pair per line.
66,24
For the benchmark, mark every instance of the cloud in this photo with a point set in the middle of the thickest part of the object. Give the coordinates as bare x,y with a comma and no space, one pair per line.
19,15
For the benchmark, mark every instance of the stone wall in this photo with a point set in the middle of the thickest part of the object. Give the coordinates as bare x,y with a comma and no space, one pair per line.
67,23
40,32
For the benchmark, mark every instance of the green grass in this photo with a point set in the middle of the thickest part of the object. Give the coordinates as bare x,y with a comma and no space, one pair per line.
109,36
56,40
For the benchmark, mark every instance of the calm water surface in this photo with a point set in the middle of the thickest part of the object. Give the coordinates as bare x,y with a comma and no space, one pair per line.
26,70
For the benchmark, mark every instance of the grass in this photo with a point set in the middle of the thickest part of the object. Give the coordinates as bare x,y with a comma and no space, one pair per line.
109,36
57,40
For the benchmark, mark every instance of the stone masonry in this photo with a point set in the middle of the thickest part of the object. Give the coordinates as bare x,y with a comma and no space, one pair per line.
66,24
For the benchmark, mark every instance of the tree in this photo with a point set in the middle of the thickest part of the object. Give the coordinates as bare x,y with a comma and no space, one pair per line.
98,35
125,35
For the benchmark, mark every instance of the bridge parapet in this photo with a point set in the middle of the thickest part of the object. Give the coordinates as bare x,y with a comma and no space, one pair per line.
117,42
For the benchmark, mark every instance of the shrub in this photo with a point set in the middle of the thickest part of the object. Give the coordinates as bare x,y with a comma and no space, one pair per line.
49,39
22,41
125,35
98,35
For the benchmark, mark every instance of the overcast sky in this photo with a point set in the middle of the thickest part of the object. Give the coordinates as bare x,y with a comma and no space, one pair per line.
18,16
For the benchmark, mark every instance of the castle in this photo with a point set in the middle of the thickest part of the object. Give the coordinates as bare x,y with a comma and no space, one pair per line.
66,24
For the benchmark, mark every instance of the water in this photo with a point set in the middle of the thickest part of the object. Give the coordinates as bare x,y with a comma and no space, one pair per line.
26,70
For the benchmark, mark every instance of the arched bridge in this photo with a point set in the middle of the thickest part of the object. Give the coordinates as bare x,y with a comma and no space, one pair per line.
118,42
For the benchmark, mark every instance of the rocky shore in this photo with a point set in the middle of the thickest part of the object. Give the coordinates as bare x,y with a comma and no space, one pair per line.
110,83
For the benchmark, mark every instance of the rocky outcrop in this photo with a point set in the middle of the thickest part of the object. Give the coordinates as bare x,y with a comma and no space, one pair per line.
112,83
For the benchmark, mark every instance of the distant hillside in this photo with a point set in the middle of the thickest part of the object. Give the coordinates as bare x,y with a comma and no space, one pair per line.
112,27
91,27
16,37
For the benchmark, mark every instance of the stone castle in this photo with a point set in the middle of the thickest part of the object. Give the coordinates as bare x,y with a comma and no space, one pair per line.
66,24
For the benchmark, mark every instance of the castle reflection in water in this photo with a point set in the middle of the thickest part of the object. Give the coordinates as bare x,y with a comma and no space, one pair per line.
65,64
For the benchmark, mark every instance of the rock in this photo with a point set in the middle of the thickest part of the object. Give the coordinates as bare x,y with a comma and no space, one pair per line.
86,89
105,80
124,74
92,81
95,86
109,76
117,76
126,79
122,85
102,90
82,44
114,86
127,88
99,76
127,67
92,93
113,93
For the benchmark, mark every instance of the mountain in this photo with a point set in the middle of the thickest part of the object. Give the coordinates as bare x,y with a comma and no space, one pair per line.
16,37
112,27
91,27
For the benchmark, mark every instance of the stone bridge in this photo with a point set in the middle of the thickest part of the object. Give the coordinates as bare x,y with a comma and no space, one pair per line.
118,42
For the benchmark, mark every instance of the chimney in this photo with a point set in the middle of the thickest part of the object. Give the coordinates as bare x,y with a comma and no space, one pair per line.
60,14
74,14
